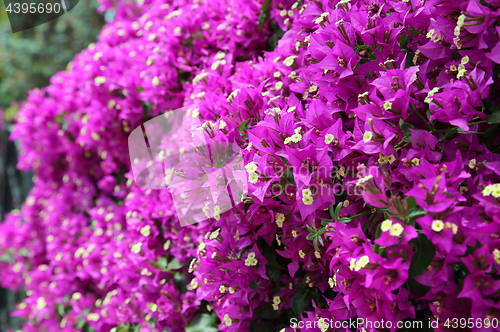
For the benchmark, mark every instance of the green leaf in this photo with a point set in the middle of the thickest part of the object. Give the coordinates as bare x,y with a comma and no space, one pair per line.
373,219
276,36
379,48
423,256
493,118
414,31
80,324
273,268
162,262
7,257
310,236
299,302
403,40
415,213
243,127
325,222
289,175
180,282
490,135
411,202
264,13
460,131
461,271
332,211
337,211
409,60
24,252
405,128
174,265
146,109
253,285
362,61
377,249
449,133
345,220
60,309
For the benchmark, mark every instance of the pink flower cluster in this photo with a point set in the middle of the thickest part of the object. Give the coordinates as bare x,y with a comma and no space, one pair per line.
370,141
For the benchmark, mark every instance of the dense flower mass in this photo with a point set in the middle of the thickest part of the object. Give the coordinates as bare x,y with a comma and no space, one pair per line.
369,135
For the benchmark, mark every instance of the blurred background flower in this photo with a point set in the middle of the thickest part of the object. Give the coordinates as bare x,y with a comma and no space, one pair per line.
28,59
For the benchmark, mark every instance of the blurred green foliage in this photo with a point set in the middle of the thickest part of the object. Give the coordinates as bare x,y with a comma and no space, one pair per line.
29,58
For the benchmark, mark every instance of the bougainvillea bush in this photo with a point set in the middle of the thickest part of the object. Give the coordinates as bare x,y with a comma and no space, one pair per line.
369,131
